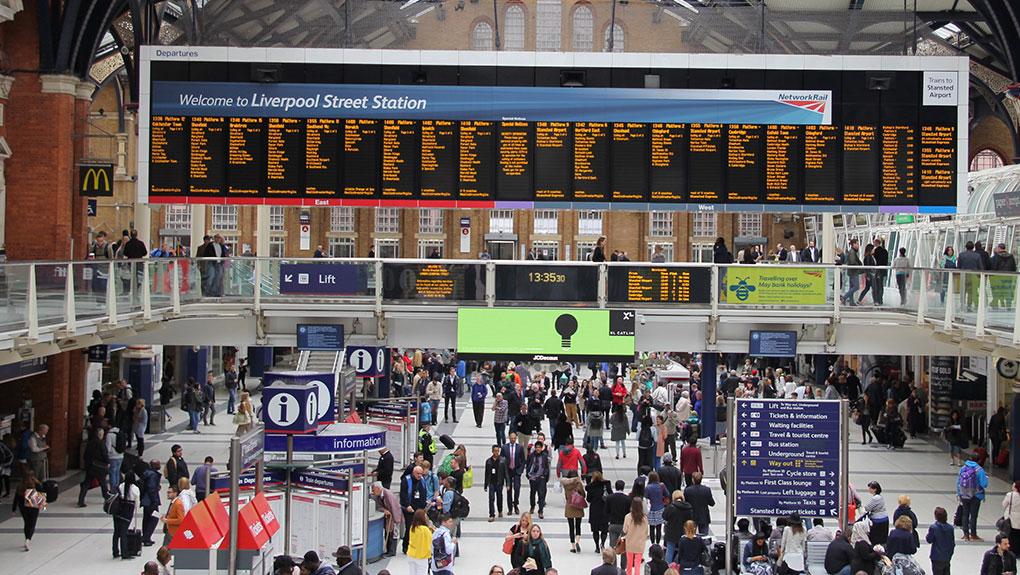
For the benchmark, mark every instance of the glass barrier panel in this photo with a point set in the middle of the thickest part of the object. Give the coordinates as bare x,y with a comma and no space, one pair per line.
14,292
51,287
1000,293
161,281
967,297
128,285
193,277
90,283
239,278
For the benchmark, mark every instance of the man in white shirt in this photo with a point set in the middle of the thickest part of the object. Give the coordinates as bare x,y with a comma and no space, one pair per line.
819,532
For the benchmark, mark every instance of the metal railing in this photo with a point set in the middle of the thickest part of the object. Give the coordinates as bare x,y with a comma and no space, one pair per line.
65,296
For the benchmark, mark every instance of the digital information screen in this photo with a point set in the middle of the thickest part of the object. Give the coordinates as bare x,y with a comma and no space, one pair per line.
547,283
827,143
440,282
772,343
653,284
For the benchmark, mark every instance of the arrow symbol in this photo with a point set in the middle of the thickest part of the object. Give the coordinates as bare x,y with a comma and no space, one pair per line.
288,277
743,444
743,453
743,462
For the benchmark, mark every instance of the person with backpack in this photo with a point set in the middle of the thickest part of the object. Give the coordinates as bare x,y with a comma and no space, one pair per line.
97,465
123,508
970,491
444,547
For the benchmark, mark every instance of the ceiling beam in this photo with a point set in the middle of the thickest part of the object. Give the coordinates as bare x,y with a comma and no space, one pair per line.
950,16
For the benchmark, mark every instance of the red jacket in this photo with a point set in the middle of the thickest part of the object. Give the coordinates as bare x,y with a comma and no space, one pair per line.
690,460
619,393
571,459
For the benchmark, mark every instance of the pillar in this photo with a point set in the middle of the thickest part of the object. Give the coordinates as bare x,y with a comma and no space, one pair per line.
196,363
197,228
260,360
828,245
143,223
139,368
709,375
5,152
1014,438
821,369
262,231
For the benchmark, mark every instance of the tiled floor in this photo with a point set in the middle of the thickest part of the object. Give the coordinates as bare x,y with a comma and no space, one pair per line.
70,539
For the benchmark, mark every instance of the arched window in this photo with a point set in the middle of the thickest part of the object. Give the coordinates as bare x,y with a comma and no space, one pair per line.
617,39
513,27
986,159
481,36
581,25
548,14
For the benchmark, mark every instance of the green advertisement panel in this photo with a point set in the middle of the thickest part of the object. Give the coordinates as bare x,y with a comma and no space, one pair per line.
545,334
775,285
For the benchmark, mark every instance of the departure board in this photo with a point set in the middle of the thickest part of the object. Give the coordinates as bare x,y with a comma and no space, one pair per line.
434,282
547,283
322,157
629,150
668,159
743,163
246,156
438,159
591,161
553,161
514,167
790,140
937,162
899,176
169,138
860,164
659,284
783,146
477,147
207,174
285,156
707,149
822,151
361,161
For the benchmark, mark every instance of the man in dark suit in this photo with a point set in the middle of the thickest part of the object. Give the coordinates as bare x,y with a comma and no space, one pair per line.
811,254
384,469
451,390
513,453
700,498
669,475
780,252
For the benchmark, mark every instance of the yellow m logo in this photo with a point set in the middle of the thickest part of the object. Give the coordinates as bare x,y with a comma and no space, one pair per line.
95,181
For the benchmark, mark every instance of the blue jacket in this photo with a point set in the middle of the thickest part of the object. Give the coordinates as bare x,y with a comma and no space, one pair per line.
479,391
982,479
942,540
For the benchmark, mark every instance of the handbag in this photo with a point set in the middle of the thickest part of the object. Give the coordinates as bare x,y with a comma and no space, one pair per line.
1004,525
577,500
469,478
958,516
35,499
621,546
508,546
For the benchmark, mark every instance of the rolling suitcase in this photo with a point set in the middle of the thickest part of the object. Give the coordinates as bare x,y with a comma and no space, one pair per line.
133,539
51,489
447,441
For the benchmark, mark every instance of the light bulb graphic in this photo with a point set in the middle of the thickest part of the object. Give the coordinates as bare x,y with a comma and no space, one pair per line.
566,326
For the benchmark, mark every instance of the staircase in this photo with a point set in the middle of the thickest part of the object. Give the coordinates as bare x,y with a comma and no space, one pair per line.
319,361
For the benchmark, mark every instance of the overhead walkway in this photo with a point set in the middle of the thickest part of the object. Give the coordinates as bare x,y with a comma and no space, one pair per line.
49,307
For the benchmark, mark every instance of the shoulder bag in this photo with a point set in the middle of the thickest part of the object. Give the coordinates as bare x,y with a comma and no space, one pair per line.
1004,524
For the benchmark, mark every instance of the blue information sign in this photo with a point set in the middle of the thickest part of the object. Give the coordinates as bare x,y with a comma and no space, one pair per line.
321,279
787,457
773,343
325,336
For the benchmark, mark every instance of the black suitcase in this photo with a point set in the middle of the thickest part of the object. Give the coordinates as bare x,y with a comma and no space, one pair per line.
51,489
133,540
447,441
718,557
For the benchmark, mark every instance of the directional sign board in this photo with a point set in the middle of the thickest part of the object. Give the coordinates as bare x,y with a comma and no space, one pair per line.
322,279
787,457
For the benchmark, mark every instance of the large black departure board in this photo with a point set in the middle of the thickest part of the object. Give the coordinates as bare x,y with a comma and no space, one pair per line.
486,143
660,284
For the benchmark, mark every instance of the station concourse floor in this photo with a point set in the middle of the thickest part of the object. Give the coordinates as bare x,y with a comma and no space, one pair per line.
69,539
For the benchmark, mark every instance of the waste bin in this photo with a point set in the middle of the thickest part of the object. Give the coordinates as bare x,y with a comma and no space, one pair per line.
157,419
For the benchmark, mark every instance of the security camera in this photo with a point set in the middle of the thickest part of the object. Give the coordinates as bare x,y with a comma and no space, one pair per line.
641,319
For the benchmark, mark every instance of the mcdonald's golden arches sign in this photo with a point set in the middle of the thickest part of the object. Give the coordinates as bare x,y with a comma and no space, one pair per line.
95,179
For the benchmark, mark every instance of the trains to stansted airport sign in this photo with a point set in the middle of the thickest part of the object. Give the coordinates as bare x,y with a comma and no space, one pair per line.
360,133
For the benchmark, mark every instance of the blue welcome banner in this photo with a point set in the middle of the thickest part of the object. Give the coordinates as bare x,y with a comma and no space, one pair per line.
491,103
